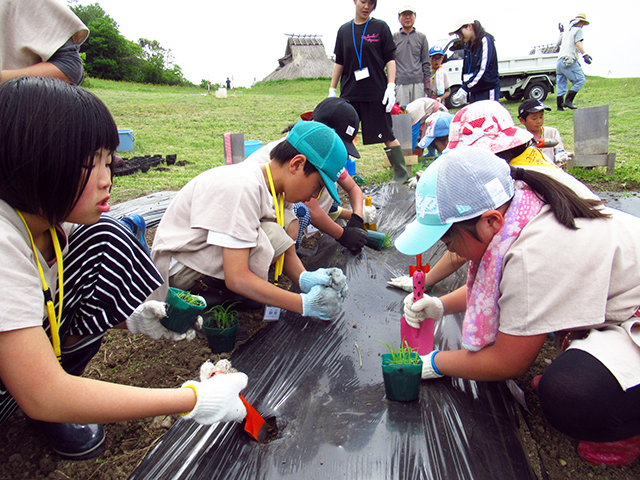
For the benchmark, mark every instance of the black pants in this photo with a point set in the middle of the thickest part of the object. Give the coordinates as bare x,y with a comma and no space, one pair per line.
581,398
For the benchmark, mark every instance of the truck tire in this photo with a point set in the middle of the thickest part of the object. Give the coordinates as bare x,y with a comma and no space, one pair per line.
513,98
537,91
449,103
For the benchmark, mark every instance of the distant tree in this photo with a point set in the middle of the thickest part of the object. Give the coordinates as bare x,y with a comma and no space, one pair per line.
111,56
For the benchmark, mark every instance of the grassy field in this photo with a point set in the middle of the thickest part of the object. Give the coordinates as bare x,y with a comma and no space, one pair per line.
190,123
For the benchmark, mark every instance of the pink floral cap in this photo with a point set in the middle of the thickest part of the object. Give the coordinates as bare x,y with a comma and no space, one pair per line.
488,125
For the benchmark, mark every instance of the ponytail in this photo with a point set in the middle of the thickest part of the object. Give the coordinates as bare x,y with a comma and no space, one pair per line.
564,202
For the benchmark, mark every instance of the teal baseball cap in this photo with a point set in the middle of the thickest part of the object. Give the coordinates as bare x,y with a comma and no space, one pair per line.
461,184
324,148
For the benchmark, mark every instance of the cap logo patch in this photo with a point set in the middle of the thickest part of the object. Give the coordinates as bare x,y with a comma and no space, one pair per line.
427,205
350,130
462,209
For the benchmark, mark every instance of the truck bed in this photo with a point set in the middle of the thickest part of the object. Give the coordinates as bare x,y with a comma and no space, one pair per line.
528,64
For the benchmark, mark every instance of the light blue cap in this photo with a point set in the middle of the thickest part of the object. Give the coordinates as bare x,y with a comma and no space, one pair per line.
461,184
323,148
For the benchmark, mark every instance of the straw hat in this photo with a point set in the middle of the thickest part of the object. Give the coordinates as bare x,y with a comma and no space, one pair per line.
581,17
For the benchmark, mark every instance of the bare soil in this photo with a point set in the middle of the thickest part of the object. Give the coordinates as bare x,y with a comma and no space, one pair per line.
138,360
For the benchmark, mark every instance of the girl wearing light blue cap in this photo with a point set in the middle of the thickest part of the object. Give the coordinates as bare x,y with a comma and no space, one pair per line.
524,233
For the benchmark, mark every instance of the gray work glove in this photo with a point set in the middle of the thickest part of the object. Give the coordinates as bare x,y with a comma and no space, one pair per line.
321,302
326,277
429,369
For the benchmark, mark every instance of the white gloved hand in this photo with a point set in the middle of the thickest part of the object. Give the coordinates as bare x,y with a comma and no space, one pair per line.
146,320
218,395
413,181
460,97
389,98
426,307
429,369
369,214
404,282
561,158
333,93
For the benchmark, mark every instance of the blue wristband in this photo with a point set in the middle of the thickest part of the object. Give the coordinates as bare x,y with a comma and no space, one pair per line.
433,363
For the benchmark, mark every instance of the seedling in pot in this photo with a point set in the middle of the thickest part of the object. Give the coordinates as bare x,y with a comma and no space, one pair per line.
190,299
405,355
221,316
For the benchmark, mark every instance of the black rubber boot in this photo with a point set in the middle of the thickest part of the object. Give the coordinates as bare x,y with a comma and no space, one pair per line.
396,159
559,102
73,441
569,101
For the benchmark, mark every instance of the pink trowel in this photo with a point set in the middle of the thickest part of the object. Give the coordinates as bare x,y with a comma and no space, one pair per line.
420,339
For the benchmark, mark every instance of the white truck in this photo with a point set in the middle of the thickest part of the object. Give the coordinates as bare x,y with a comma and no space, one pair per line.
530,76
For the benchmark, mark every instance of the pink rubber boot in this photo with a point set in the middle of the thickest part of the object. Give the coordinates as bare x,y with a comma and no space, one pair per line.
614,454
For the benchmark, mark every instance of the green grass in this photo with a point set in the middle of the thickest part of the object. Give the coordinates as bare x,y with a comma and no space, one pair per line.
189,123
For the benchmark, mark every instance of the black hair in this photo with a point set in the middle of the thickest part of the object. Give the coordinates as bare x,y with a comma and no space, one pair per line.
50,132
514,152
479,33
284,152
565,204
524,115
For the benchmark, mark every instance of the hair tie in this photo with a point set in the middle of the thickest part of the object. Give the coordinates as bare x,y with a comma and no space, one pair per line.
519,173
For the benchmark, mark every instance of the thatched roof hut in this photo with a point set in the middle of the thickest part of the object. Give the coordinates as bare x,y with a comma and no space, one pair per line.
305,57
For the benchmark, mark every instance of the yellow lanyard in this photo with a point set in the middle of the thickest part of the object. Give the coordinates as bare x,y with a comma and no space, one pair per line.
279,219
54,322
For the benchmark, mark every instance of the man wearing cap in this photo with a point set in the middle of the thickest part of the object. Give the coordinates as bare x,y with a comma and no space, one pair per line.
226,227
413,75
531,115
440,83
322,212
568,67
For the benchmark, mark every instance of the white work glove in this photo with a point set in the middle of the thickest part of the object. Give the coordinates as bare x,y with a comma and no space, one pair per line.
404,282
218,397
413,181
389,98
326,277
460,97
369,214
333,93
321,302
146,320
429,369
426,307
561,158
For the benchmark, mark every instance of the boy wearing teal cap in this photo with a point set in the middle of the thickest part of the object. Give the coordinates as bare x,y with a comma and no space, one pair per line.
221,231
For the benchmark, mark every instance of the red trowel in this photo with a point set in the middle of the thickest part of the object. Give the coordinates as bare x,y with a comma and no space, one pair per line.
254,424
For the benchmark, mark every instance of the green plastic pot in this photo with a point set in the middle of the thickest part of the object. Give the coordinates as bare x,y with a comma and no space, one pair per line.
401,381
375,239
180,314
221,340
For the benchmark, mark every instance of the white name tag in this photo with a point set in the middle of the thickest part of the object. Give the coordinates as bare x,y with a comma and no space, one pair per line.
361,74
271,314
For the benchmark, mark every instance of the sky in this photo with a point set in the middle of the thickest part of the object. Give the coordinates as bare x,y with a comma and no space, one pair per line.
215,39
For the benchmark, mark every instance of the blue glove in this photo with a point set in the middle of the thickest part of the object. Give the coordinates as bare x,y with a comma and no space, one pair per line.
429,369
321,302
326,277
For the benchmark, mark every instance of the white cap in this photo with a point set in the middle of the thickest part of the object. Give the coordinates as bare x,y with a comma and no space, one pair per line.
407,8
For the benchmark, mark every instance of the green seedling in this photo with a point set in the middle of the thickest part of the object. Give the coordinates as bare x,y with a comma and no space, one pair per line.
403,355
388,241
190,299
221,316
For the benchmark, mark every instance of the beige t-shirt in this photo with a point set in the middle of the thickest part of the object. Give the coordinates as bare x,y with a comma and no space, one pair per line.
33,30
231,200
557,279
22,300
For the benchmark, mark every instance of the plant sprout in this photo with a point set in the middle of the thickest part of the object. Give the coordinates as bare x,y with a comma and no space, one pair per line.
221,316
190,299
403,355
